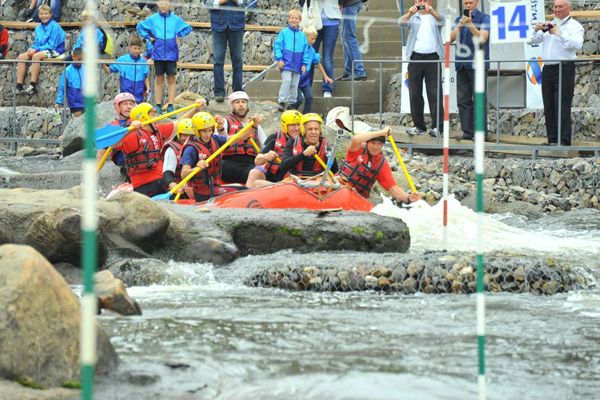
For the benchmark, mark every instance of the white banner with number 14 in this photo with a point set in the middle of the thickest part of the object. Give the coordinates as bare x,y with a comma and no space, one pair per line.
510,22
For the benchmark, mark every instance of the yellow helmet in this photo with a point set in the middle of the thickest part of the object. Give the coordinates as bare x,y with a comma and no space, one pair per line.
141,112
185,127
309,118
290,117
203,120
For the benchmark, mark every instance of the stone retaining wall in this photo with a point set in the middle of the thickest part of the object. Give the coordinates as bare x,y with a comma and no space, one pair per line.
122,10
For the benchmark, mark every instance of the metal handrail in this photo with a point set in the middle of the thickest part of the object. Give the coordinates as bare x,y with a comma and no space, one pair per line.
534,148
260,74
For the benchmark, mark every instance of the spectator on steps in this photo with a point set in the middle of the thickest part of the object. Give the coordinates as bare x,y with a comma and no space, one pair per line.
48,42
306,79
163,29
3,42
227,29
291,54
31,13
350,10
70,85
327,36
134,72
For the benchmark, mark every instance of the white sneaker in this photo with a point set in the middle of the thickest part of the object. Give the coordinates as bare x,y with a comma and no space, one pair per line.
434,132
415,131
326,94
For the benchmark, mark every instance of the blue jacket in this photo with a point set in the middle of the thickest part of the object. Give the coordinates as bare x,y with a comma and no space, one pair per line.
465,61
49,36
132,77
291,47
99,40
165,29
74,85
222,19
305,78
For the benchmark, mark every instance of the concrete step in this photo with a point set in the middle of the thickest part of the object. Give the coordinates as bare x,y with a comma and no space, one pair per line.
323,105
382,5
379,33
270,88
274,74
376,49
382,14
370,66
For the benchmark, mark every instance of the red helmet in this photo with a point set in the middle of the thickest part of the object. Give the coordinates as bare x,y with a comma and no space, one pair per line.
121,97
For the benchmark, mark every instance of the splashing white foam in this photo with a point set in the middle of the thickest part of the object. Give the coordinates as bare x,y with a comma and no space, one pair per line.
425,224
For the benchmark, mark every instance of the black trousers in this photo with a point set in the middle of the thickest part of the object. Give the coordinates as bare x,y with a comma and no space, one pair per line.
153,188
465,99
431,73
550,96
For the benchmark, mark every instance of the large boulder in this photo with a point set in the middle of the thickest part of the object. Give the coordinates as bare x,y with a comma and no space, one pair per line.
72,140
39,322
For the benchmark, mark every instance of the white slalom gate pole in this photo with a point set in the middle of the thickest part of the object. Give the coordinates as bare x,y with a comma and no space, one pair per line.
480,128
446,137
89,221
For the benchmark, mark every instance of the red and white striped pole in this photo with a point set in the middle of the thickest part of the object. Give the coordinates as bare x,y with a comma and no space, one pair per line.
446,136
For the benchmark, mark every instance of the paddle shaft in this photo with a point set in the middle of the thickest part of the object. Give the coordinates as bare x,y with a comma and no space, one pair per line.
212,156
322,163
255,145
123,131
103,159
406,174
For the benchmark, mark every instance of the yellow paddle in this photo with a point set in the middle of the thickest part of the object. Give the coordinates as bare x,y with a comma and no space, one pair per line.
103,159
322,163
255,145
406,174
167,195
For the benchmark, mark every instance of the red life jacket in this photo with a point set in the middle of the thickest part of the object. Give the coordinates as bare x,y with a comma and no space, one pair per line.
147,154
362,173
203,180
321,151
280,142
178,149
239,148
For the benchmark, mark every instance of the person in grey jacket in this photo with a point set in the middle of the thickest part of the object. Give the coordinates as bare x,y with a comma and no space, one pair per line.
424,44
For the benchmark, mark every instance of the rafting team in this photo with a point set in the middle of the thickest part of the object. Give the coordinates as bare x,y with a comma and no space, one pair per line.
156,157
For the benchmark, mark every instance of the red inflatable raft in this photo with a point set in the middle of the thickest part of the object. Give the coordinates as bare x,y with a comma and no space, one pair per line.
293,192
296,193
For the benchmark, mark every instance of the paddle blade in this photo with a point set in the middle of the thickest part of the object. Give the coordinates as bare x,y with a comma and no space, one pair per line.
108,135
340,124
164,196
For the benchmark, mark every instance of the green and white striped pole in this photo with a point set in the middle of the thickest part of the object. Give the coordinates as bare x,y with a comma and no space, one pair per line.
89,221
479,155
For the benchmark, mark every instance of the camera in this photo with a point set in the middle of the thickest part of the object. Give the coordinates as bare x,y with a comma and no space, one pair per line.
467,13
547,26
420,7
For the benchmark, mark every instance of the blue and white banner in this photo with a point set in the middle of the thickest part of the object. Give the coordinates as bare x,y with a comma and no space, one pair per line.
533,68
510,22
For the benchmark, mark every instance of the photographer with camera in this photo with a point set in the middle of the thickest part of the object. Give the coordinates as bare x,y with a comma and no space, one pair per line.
424,43
473,23
560,38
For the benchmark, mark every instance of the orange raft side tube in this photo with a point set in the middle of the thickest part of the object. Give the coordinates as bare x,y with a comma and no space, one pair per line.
295,193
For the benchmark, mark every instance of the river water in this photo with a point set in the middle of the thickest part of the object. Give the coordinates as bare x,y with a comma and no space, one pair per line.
207,338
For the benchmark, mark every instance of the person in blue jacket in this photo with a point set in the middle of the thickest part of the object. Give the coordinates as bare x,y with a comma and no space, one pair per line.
30,14
71,82
134,72
227,29
306,79
293,59
163,29
87,17
48,42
